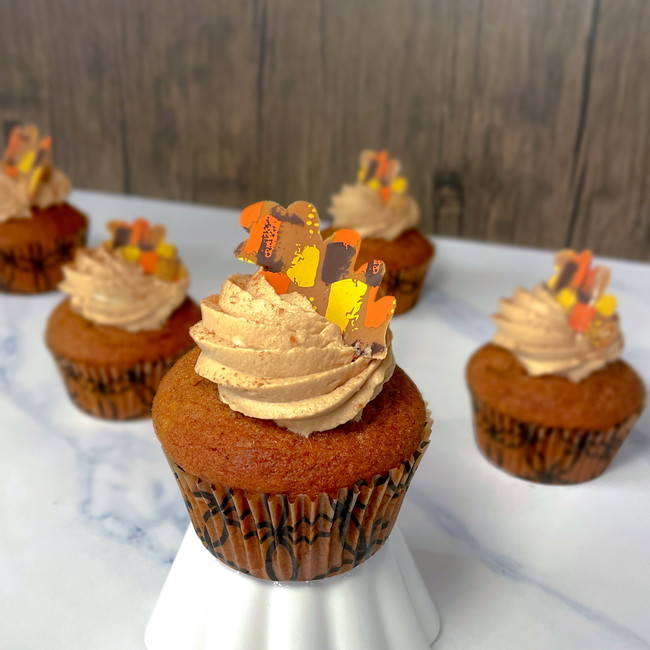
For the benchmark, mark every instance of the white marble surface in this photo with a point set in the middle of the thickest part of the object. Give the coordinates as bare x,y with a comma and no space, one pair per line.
91,518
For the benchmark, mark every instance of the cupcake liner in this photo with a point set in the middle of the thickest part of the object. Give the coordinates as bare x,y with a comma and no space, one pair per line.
114,392
546,454
36,268
406,285
274,537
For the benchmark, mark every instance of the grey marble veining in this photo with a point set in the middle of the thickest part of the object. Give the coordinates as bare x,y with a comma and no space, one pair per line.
91,516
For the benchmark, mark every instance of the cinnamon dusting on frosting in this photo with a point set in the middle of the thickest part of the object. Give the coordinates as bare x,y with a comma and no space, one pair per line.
534,326
109,290
274,357
377,206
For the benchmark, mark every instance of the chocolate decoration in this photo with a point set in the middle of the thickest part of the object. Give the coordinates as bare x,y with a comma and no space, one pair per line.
287,243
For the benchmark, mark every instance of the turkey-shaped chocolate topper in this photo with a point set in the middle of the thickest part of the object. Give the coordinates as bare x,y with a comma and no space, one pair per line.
145,244
287,244
580,289
380,172
27,157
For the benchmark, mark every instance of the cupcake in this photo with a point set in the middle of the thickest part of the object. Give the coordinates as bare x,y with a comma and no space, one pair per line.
124,323
39,231
378,207
292,434
552,400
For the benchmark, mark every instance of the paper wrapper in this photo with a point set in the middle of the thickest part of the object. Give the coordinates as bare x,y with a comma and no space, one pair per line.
273,537
36,268
114,392
405,285
545,454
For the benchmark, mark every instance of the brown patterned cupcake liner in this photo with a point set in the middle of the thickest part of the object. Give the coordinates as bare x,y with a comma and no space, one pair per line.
274,537
406,285
36,268
114,392
546,454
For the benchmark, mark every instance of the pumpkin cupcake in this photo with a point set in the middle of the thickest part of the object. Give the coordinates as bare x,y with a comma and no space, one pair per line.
552,400
39,231
379,208
124,323
292,434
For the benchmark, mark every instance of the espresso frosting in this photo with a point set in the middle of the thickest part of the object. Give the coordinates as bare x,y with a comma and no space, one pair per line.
360,207
273,357
106,289
15,202
534,327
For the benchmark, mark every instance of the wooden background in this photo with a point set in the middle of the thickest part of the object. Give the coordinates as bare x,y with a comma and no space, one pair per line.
521,121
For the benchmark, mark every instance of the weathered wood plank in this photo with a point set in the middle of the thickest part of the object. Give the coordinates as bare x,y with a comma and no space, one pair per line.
612,213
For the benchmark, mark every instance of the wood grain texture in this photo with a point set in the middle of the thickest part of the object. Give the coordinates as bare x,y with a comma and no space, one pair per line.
523,121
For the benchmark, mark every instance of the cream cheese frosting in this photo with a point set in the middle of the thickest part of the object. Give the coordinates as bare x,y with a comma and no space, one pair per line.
273,357
360,207
109,290
534,327
15,202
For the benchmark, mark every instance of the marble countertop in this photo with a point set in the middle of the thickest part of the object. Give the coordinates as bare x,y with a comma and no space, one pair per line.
91,517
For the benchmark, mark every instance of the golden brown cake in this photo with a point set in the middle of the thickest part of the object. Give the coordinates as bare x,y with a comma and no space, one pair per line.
122,327
39,231
293,436
552,401
207,438
379,209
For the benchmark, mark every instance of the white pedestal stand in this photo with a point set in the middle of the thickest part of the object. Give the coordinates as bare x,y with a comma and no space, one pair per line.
382,604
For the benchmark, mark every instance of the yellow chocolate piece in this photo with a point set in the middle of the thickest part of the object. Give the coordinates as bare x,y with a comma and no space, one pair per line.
345,301
130,253
374,184
304,266
606,305
567,298
26,162
399,185
166,250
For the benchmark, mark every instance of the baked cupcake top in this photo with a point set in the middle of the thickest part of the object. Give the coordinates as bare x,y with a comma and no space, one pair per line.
304,341
377,205
133,281
28,179
567,326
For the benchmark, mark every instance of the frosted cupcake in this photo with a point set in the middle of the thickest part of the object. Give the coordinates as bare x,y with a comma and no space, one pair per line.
124,323
380,209
39,231
553,402
292,434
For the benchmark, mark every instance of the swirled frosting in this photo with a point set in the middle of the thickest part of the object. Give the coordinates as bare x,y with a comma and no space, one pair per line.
109,290
15,202
273,357
534,327
360,207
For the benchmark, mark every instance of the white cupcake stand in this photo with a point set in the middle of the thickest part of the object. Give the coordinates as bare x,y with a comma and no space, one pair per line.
383,604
